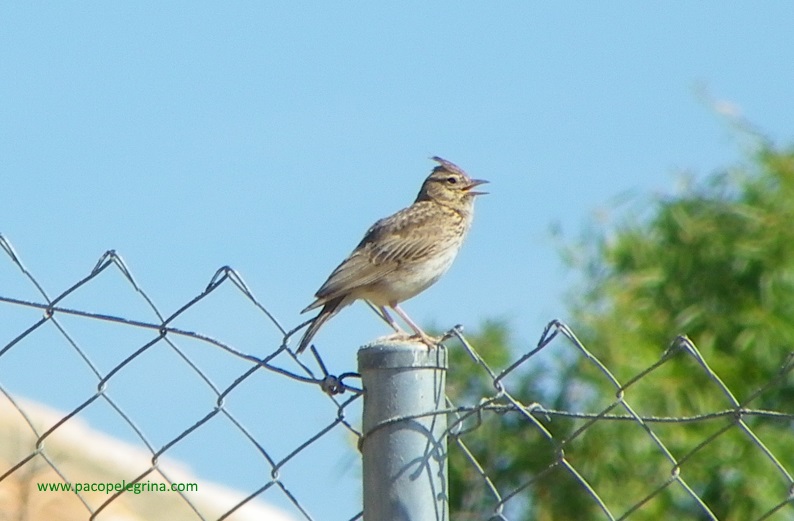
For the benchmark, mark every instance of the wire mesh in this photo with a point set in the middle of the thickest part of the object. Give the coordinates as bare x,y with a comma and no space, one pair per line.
554,445
679,471
29,458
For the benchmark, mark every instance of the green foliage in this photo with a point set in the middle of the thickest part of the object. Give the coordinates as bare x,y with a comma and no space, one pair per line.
716,264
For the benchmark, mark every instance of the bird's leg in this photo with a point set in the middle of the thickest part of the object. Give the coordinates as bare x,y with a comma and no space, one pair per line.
391,321
427,339
383,314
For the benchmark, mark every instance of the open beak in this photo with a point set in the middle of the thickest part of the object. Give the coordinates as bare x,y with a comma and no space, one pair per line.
475,182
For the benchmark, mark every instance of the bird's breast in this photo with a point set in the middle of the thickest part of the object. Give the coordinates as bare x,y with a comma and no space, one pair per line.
411,278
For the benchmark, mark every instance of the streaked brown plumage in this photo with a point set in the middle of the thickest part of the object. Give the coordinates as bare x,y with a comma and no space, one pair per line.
403,254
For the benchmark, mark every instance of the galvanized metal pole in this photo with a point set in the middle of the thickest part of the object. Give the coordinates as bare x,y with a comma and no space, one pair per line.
404,445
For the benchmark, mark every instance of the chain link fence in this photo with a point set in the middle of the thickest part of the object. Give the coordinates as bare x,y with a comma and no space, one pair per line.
94,358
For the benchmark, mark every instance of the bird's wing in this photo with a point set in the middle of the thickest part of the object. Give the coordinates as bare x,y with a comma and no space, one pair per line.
386,245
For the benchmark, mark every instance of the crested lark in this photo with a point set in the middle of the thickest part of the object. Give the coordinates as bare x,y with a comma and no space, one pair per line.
402,255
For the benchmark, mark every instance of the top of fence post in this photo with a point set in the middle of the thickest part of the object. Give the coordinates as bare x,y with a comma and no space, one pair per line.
404,445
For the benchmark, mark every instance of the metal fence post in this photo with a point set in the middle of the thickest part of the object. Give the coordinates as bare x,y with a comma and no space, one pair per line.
404,444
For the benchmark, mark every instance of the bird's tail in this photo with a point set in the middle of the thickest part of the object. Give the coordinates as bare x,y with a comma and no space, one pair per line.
330,309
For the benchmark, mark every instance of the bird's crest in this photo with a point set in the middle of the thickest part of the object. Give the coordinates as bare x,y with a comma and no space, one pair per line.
449,166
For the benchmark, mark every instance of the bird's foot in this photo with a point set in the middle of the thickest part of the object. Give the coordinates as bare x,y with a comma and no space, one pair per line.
430,341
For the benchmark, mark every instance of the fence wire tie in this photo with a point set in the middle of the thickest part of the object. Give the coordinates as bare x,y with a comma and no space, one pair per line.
456,330
331,384
537,409
459,428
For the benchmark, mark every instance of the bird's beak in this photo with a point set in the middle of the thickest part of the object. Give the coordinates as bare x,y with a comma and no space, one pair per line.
475,182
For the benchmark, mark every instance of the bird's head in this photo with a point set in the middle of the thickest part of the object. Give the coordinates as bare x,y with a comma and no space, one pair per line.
449,184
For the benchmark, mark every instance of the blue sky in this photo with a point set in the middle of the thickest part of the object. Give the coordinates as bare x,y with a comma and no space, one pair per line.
268,137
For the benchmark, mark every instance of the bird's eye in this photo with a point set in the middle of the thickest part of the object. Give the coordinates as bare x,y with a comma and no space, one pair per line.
451,180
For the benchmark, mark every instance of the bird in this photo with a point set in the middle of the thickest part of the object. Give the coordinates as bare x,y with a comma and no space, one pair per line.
403,254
